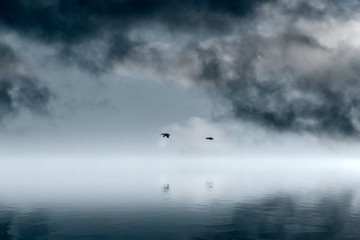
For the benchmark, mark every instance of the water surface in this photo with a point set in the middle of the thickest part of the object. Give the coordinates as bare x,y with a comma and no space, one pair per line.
234,204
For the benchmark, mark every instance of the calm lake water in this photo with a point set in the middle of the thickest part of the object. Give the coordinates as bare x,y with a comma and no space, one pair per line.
298,204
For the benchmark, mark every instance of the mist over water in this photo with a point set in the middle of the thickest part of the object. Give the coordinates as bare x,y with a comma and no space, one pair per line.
197,199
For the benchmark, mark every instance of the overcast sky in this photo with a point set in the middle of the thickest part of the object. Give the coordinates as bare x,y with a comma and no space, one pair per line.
104,78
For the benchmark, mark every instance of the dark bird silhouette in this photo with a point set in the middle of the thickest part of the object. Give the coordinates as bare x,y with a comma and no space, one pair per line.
167,135
209,138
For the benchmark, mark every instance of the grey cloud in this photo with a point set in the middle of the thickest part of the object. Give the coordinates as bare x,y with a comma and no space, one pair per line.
321,9
77,20
8,58
288,82
73,24
278,76
8,55
120,48
18,90
284,97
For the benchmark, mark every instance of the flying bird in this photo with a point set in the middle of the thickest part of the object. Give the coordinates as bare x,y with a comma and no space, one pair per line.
209,138
167,135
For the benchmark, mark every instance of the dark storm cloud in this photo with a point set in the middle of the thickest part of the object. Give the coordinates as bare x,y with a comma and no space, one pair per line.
7,56
322,9
288,80
285,98
17,90
76,20
274,74
74,23
120,47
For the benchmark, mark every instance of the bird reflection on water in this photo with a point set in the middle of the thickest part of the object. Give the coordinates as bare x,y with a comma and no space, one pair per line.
166,191
209,186
166,188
